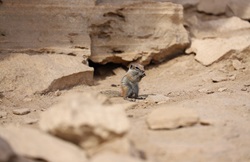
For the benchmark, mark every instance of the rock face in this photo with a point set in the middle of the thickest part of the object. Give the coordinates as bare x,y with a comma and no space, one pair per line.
42,73
141,32
84,120
212,6
41,24
35,144
171,118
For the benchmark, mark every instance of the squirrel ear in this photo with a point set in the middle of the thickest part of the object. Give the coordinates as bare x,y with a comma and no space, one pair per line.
131,66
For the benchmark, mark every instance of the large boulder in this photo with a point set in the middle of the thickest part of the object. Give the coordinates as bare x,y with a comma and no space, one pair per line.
214,39
85,120
29,74
143,32
38,145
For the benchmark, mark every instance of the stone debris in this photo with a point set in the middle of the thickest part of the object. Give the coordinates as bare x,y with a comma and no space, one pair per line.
205,90
112,157
22,111
83,119
237,65
30,121
3,114
157,98
223,89
38,145
170,117
27,99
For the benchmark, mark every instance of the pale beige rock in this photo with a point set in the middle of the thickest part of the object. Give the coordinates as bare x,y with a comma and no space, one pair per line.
211,50
237,65
240,8
84,120
29,74
222,89
212,6
139,31
38,26
218,27
33,143
22,111
30,121
170,117
157,98
112,157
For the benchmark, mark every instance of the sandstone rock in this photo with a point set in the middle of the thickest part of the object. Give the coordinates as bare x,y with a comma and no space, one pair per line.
112,157
84,120
212,6
157,98
140,31
22,111
218,27
3,114
35,144
240,8
211,50
29,74
61,26
171,118
119,71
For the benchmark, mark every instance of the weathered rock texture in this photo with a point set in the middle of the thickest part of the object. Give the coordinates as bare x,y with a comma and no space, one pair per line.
84,120
49,23
38,145
29,74
141,32
216,38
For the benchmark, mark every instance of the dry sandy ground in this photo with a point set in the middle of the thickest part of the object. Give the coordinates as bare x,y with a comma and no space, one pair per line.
186,83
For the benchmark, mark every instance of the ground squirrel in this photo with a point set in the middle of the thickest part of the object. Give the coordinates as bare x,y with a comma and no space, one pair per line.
129,83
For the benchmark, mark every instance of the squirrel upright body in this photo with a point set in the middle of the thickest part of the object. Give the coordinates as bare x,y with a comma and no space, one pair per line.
129,83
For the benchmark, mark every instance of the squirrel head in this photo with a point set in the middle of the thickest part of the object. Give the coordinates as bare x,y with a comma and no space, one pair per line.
138,68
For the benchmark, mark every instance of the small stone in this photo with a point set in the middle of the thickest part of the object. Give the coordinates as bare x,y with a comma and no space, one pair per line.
207,91
30,121
232,77
237,65
22,111
171,118
157,98
3,114
244,89
58,93
217,79
247,84
222,89
27,99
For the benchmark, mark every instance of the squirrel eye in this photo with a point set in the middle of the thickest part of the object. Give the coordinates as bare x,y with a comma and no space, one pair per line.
137,68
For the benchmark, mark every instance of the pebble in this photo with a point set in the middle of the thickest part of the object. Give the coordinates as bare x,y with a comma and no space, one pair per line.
58,93
222,89
244,89
27,99
204,90
217,79
22,111
30,121
3,114
237,65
